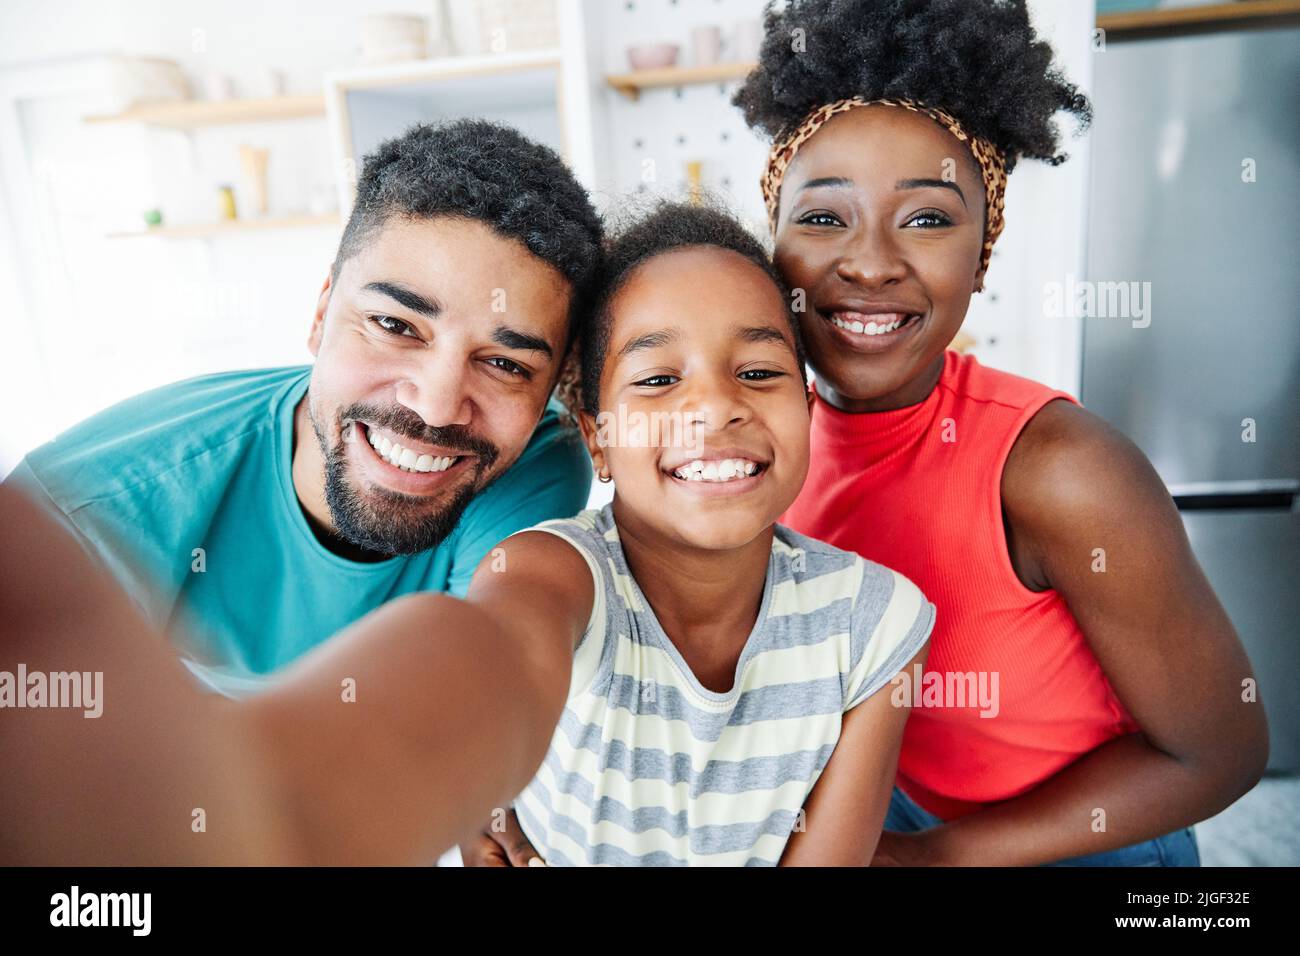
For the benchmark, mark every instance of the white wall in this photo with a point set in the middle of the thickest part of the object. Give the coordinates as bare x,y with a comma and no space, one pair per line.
1045,236
89,320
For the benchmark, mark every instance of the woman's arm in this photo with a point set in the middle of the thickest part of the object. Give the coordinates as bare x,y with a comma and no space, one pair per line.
385,745
846,809
1073,485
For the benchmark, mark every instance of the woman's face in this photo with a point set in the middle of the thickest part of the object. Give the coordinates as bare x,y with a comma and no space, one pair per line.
881,224
703,413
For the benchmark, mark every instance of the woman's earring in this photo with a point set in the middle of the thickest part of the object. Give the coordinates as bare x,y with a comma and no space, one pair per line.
604,478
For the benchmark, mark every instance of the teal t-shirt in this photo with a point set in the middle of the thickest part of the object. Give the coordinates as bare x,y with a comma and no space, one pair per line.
186,493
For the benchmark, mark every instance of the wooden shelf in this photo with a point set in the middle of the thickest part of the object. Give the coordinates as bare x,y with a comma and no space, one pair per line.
631,84
1185,19
189,114
207,230
423,72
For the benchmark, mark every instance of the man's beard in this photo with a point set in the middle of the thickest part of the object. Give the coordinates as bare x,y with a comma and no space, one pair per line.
389,522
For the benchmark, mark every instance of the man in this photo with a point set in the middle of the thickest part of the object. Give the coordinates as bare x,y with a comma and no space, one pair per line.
258,512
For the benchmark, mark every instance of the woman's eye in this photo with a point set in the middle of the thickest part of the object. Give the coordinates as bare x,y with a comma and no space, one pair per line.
818,219
393,326
763,374
509,367
930,219
657,381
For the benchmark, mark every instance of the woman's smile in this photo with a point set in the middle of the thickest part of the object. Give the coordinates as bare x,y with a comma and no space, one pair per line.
872,332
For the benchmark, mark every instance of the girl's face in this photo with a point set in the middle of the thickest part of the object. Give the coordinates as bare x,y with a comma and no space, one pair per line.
704,416
881,223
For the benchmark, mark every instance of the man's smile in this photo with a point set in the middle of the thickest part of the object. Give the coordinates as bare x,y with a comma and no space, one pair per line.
404,464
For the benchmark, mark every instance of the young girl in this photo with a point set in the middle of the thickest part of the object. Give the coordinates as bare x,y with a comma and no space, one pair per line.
1051,548
727,686
720,683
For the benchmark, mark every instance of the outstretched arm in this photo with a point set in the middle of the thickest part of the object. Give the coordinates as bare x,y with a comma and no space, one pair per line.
455,704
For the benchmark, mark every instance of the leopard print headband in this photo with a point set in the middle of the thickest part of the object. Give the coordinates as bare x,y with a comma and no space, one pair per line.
992,161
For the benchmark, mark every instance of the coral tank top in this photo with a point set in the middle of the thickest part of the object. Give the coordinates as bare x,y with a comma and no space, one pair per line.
1011,692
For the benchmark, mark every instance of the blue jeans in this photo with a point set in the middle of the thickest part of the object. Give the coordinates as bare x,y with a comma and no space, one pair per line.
1172,849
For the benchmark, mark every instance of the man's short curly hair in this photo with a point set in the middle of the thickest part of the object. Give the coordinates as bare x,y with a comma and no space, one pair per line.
979,60
473,169
665,227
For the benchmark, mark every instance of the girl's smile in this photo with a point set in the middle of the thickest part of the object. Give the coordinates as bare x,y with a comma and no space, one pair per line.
722,471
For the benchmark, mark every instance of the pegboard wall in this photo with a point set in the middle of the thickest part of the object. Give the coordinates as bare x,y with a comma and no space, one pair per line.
650,141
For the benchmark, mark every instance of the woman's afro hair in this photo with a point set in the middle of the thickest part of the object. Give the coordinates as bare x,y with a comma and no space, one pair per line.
977,59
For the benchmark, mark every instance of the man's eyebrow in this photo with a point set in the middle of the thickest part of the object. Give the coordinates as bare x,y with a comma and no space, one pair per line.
651,340
836,182
407,298
514,339
931,183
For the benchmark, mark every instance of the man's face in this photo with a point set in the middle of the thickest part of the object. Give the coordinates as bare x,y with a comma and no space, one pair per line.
436,348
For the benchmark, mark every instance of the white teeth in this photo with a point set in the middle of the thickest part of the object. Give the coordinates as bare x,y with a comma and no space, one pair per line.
406,459
870,328
727,469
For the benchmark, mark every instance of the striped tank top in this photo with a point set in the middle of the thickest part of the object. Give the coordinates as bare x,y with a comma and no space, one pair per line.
648,767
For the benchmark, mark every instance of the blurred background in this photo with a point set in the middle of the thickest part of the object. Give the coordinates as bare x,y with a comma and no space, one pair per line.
174,177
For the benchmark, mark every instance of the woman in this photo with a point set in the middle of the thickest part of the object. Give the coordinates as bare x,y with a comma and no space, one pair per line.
1063,579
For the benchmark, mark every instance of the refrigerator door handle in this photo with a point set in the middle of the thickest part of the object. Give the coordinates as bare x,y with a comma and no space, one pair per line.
1266,494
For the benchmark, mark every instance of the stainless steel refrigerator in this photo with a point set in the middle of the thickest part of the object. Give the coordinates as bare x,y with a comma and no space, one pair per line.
1195,189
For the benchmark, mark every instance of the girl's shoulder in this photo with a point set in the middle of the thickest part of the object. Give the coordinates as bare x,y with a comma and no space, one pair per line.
820,574
881,618
592,530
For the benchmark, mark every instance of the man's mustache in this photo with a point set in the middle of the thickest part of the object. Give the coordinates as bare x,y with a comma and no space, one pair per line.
402,421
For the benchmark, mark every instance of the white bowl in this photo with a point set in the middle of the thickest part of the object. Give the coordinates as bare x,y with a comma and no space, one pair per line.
653,56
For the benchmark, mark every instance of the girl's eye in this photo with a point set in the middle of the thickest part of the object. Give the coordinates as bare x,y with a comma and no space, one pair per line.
393,326
818,219
763,374
657,381
509,367
930,219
